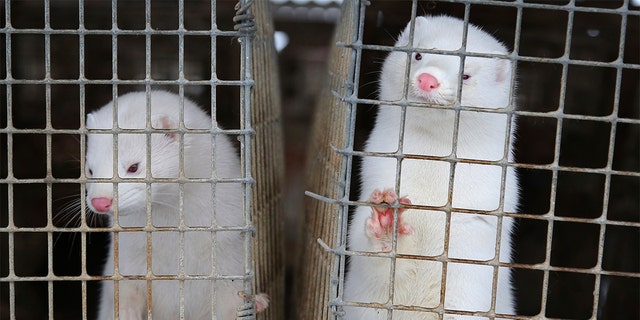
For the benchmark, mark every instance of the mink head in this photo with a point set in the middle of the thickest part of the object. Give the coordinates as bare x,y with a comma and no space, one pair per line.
435,78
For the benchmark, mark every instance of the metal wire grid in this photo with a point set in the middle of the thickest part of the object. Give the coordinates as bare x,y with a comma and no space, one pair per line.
352,99
244,34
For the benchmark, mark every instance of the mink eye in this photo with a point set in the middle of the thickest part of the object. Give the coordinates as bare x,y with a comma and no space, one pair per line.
465,77
418,57
133,168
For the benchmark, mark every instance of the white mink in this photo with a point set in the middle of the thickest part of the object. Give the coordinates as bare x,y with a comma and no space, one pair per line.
200,209
434,80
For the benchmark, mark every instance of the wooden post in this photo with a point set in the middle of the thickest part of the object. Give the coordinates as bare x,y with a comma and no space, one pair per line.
267,156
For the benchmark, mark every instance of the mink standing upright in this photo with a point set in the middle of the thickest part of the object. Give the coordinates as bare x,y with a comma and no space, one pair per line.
434,81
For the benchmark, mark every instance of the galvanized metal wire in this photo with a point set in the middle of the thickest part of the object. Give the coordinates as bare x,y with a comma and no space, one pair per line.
332,236
245,133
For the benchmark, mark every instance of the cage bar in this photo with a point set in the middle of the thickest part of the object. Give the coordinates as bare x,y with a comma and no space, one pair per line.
333,150
12,278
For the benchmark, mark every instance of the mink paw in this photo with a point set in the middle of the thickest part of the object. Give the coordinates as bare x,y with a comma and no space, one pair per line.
380,225
248,310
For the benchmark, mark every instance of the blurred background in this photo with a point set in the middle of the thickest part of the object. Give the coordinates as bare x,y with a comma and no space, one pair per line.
304,38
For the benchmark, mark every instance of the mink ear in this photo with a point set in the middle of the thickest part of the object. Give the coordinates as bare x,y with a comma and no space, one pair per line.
90,120
420,21
165,122
403,39
503,71
94,123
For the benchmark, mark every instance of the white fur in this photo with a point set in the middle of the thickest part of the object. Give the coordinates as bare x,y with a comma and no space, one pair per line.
198,209
429,131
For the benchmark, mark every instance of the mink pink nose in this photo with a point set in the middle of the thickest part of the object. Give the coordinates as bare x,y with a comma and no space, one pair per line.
427,82
101,204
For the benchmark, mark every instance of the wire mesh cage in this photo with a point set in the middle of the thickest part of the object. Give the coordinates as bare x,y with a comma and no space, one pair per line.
575,151
184,71
569,133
